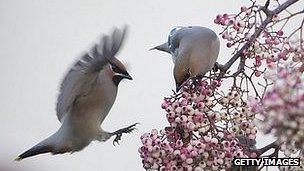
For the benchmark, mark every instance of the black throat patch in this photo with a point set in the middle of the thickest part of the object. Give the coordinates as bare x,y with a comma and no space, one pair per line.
117,79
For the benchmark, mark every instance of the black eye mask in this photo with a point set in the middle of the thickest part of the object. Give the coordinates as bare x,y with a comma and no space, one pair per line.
118,70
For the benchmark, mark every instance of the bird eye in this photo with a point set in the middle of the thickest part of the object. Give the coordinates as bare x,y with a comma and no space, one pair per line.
118,70
115,68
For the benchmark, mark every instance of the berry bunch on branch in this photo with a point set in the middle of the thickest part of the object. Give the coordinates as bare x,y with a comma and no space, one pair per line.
210,124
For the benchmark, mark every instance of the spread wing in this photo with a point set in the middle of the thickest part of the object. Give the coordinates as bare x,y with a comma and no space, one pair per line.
84,72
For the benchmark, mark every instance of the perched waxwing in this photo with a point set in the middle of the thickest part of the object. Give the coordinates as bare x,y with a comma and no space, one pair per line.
194,51
86,96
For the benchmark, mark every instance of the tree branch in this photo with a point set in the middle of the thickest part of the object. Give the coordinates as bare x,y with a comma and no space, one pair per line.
270,15
262,150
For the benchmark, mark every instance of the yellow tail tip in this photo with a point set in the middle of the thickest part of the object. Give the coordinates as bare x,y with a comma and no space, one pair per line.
18,158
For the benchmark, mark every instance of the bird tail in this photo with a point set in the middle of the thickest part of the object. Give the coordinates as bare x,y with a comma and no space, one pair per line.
43,147
34,151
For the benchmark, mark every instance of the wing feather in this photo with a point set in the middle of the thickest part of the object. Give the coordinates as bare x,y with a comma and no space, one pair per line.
84,72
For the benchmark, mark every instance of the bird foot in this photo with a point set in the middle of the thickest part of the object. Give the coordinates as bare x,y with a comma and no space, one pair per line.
217,67
119,132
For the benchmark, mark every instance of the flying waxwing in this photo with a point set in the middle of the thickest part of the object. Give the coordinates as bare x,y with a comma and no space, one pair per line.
194,51
86,96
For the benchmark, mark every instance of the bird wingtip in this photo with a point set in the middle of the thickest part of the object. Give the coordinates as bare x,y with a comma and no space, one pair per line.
18,158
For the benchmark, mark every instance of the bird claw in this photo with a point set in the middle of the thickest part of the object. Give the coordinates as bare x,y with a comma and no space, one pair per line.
217,67
117,138
119,132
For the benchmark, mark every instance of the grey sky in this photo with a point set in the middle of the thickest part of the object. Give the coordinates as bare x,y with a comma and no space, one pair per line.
40,39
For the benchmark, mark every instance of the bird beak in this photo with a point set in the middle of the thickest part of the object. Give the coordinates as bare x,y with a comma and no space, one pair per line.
126,76
163,47
153,48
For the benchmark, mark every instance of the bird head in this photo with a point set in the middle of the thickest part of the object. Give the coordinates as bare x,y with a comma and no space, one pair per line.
119,71
170,45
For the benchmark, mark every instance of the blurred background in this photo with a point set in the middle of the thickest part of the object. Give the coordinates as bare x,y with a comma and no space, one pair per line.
39,41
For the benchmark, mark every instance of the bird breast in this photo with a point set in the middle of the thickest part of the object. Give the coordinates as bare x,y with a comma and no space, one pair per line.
82,123
91,109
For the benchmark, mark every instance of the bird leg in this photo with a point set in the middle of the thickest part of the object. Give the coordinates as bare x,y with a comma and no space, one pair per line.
119,132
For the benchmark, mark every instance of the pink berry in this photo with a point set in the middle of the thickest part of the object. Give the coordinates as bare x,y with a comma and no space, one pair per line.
280,33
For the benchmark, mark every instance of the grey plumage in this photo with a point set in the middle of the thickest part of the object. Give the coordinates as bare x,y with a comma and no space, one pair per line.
86,96
194,51
82,75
